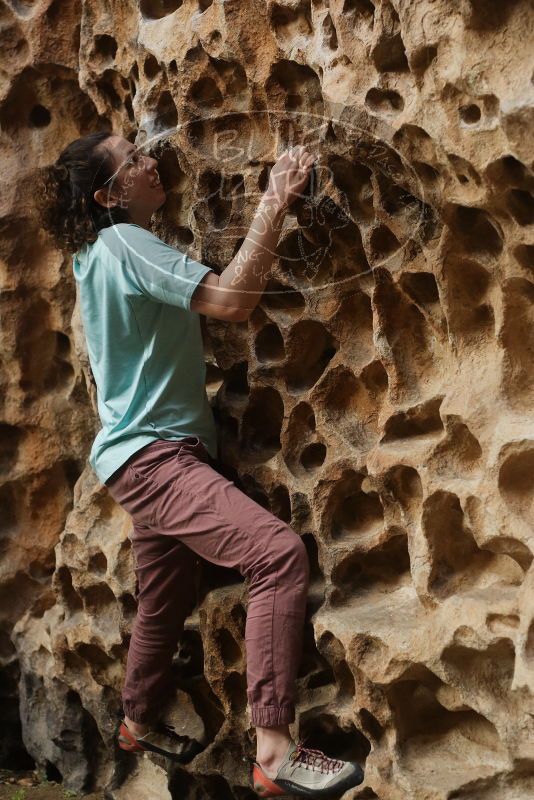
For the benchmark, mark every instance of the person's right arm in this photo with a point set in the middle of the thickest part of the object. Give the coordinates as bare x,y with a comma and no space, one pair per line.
234,293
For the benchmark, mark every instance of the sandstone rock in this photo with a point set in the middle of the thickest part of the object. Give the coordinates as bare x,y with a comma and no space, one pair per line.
379,399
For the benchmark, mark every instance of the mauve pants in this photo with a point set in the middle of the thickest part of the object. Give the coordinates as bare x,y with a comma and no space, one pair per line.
181,508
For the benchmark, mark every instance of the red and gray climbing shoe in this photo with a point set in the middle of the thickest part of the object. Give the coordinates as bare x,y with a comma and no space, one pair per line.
307,773
162,739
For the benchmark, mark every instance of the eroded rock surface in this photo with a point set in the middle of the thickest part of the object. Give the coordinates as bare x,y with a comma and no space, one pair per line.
379,399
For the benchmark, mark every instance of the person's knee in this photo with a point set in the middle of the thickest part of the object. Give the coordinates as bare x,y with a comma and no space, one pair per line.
292,558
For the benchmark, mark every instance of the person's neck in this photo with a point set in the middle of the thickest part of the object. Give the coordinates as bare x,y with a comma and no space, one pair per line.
143,220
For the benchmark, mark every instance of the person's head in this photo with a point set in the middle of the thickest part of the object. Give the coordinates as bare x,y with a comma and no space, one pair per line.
98,180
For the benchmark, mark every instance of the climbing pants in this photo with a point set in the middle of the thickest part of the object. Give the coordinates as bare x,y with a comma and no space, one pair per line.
182,507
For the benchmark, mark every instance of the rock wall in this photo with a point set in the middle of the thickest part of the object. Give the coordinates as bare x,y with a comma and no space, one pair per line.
379,399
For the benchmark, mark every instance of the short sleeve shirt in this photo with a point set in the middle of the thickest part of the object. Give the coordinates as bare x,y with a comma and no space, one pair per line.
144,343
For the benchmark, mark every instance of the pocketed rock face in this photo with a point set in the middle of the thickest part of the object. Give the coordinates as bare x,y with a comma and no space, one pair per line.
379,399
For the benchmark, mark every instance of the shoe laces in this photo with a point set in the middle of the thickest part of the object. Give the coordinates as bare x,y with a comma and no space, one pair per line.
316,759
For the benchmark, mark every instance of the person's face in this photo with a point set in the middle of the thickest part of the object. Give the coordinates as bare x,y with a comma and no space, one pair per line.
135,184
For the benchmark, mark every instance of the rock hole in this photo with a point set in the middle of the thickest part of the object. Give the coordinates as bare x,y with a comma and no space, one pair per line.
314,670
521,206
422,57
316,574
235,689
151,67
354,180
466,286
157,9
291,23
470,114
517,337
261,424
371,726
387,564
452,547
405,485
382,244
474,229
426,172
384,101
354,512
71,598
421,287
489,671
228,647
206,94
529,642
310,347
129,605
269,344
463,169
313,456
283,299
236,380
281,503
516,478
40,116
129,108
166,113
389,55
106,88
170,172
325,733
420,420
361,9
351,405
420,718
524,254
502,623
97,597
329,33
10,439
52,773
188,661
98,563
105,47
507,170
486,15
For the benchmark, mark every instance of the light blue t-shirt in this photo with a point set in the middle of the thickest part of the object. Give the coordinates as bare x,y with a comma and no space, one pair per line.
144,343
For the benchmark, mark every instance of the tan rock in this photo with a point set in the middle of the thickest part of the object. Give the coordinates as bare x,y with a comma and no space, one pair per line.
379,399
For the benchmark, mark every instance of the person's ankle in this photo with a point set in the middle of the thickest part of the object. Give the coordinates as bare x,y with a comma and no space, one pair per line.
271,750
137,728
271,764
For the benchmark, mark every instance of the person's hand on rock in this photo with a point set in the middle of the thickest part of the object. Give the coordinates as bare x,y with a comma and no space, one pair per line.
290,174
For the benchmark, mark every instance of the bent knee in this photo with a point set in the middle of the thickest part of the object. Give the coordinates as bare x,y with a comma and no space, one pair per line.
292,556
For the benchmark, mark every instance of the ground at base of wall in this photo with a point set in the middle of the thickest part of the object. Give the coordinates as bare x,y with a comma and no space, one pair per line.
28,786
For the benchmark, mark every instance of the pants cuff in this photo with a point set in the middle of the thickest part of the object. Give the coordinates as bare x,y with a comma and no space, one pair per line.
269,716
140,714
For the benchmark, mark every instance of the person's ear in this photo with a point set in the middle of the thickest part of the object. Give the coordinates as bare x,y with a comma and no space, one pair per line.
105,198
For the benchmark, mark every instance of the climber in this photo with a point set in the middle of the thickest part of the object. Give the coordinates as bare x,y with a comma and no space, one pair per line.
156,451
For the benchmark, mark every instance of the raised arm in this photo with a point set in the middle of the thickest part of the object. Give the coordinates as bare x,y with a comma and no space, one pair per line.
234,293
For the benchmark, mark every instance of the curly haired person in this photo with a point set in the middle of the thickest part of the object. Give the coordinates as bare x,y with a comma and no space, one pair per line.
156,451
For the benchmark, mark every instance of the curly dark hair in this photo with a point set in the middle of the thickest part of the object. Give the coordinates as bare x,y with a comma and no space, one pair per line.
67,206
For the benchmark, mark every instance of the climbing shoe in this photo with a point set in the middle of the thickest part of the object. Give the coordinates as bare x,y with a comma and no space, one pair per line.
307,773
162,739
